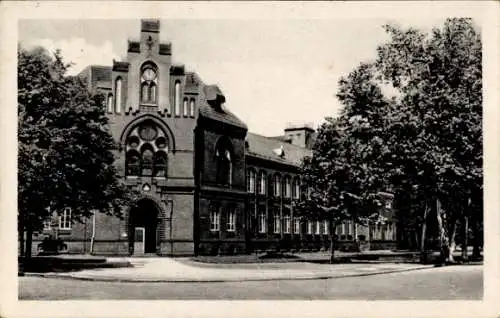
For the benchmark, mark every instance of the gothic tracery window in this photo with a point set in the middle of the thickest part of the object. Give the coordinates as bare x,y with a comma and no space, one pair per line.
147,149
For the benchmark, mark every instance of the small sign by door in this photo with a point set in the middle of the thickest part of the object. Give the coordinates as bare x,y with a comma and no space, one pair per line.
139,240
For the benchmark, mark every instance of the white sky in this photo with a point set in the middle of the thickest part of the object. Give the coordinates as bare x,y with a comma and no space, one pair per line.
273,72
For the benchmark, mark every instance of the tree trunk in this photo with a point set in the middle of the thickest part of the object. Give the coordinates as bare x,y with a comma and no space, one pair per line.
20,233
332,242
423,251
29,242
476,250
465,240
451,239
444,245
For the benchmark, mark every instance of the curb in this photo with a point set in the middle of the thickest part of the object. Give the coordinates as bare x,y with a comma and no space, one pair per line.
121,280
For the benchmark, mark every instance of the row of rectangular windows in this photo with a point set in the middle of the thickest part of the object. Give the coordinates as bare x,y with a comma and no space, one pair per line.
347,229
289,190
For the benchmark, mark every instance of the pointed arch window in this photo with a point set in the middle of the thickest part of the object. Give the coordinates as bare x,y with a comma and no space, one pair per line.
191,107
277,185
251,180
149,83
287,187
224,160
296,188
147,151
118,95
185,107
110,103
177,98
261,185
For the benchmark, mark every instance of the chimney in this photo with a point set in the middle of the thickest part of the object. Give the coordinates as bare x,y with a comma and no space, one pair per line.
300,135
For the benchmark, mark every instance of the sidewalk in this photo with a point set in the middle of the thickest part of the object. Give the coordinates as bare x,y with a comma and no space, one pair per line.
185,270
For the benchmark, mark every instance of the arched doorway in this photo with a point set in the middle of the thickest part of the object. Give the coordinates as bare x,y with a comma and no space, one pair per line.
143,226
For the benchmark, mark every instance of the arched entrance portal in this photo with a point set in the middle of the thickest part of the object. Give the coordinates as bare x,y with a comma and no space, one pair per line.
143,225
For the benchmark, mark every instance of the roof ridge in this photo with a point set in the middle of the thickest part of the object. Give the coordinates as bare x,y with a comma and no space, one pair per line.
279,141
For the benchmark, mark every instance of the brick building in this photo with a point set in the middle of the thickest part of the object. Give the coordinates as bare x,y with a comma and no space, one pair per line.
208,185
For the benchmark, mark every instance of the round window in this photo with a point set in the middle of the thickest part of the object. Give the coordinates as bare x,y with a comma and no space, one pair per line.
148,132
161,143
133,141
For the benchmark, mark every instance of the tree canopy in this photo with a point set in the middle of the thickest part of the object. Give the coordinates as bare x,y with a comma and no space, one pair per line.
411,122
65,157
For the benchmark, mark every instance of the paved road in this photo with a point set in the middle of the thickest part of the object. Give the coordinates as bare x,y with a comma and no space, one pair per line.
454,282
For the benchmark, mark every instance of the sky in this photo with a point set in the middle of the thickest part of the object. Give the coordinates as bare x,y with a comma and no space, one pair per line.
273,72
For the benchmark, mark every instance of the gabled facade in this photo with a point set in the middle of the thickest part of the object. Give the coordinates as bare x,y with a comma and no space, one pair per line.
208,185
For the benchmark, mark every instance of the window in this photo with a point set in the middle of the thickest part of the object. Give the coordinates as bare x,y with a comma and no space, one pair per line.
318,227
296,225
262,220
251,180
214,219
224,164
191,107
261,186
309,192
277,185
65,219
147,155
148,93
110,103
133,163
288,187
326,227
277,222
231,220
47,224
177,98
296,188
146,151
286,223
309,227
160,164
118,95
185,107
149,82
388,204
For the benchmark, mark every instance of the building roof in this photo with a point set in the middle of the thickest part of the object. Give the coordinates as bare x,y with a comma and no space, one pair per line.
269,149
222,115
101,73
97,76
213,107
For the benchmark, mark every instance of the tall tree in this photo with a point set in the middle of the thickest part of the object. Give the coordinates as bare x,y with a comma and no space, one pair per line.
436,132
65,157
411,122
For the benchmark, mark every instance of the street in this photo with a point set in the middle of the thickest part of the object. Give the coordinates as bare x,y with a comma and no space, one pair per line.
444,283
